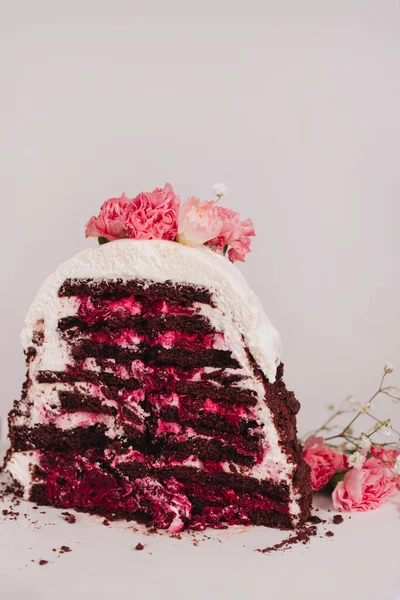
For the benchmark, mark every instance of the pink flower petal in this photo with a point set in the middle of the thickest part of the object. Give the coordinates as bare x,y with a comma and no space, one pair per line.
153,215
198,222
109,222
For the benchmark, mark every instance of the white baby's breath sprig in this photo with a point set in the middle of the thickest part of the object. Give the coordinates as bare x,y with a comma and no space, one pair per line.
356,459
364,442
352,401
367,407
386,428
220,190
345,438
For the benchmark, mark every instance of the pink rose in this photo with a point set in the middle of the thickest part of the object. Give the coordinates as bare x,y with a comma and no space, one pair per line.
388,456
324,461
233,233
153,215
239,249
363,488
109,222
198,222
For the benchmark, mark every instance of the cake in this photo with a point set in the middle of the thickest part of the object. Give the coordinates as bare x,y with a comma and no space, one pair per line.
154,387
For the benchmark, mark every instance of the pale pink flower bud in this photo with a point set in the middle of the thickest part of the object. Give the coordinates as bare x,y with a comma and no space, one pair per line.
198,222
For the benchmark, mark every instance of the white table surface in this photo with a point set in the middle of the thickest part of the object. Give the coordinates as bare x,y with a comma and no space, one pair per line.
361,561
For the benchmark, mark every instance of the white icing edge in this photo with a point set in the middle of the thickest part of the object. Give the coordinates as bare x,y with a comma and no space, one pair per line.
239,310
19,466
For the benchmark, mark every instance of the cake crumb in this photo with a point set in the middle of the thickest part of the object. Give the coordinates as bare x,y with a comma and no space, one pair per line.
43,562
139,546
329,534
315,520
65,549
152,529
11,514
302,536
69,517
337,519
106,522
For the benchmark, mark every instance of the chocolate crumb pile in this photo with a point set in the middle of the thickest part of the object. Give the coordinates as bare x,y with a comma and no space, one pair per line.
139,546
302,536
337,519
11,514
69,517
315,520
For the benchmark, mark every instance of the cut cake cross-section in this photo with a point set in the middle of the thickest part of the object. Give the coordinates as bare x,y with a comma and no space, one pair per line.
154,392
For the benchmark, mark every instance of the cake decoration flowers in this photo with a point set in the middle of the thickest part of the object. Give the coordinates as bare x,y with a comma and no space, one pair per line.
158,215
198,222
109,224
360,470
364,487
324,461
220,190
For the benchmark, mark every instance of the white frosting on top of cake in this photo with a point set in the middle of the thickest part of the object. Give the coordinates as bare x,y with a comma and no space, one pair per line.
239,310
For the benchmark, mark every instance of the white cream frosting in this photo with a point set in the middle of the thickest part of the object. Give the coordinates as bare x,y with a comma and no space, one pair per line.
239,311
19,466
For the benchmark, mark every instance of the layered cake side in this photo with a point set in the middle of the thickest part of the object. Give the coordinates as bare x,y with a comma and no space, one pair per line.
154,391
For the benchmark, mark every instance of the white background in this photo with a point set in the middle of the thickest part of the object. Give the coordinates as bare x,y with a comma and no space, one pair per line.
295,106
358,563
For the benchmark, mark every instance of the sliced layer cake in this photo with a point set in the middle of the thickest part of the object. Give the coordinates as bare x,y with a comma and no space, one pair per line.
154,391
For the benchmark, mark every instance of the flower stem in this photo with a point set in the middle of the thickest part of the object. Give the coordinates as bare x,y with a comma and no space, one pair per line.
343,433
336,414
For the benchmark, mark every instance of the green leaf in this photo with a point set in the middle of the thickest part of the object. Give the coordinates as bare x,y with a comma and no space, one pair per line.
102,240
332,483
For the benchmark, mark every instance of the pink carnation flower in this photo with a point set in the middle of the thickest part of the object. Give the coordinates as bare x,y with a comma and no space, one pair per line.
109,222
239,249
233,233
324,461
388,456
198,222
363,488
153,215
